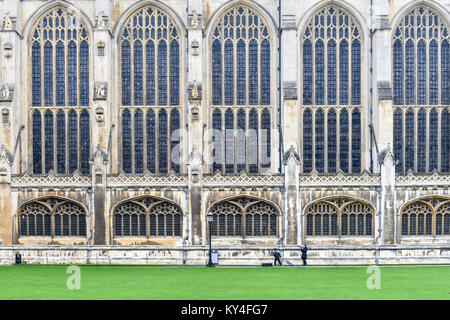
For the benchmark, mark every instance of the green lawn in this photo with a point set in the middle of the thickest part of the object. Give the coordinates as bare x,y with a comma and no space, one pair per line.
167,283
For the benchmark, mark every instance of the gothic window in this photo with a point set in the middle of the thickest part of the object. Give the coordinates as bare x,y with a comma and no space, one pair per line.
338,217
421,73
241,94
60,94
244,217
331,71
147,217
428,216
52,217
150,64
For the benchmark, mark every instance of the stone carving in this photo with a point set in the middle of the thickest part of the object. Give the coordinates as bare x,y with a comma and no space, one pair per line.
7,50
291,153
101,20
290,90
384,90
51,179
100,91
99,160
195,91
195,19
195,48
341,179
7,22
242,180
6,93
195,163
6,160
99,112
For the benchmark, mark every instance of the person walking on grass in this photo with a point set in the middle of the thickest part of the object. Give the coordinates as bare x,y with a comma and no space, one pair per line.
304,254
277,256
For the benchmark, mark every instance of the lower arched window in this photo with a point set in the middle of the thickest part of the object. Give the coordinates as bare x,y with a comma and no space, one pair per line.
52,217
244,216
147,217
426,217
339,217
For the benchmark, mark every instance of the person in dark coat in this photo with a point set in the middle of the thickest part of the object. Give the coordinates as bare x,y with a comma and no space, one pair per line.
277,256
304,255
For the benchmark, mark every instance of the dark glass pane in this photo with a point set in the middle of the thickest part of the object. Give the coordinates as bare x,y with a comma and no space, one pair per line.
398,72
162,141
138,141
253,75
240,141
58,229
344,140
138,74
307,72
152,222
404,224
412,224
174,73
421,73
37,143
151,141
177,225
229,141
356,72
84,141
334,225
73,225
331,141
241,73
217,142
409,140
229,73
356,141
61,142
307,141
81,225
162,73
433,152
320,141
48,122
409,73
439,224
331,77
84,74
433,73
150,73
48,74
344,225
421,224
175,138
126,141
368,224
343,72
445,72
65,225
72,82
445,137
161,225
326,224
309,225
216,73
36,73
266,145
73,141
352,224
319,73
60,75
265,72
126,73
398,139
421,141
253,141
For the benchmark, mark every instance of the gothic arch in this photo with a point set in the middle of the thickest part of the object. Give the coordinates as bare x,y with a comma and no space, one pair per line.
147,216
52,216
245,216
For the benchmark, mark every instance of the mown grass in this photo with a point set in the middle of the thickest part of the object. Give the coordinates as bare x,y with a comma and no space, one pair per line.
26,282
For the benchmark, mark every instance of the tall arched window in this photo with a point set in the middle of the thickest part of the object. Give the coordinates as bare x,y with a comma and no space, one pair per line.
52,217
150,62
244,217
60,95
421,82
331,71
147,217
241,92
340,216
428,216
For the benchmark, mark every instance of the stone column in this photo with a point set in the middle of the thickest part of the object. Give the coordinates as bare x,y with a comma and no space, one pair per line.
196,118
388,214
291,173
6,208
101,225
382,113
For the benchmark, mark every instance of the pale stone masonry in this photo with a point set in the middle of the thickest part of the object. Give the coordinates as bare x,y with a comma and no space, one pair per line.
377,196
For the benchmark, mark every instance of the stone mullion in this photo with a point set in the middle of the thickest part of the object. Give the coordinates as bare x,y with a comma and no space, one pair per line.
223,140
427,140
133,146
325,138
416,149
42,140
403,139
338,139
235,157
169,137
247,141
55,140
144,135
259,139
132,42
439,111
313,132
350,138
313,78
